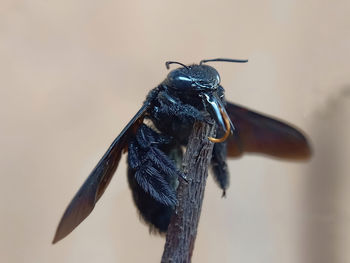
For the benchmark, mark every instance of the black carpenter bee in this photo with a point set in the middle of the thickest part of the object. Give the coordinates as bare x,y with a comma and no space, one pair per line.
156,136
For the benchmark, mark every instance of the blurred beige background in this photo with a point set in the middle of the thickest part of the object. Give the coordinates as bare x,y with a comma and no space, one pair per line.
72,73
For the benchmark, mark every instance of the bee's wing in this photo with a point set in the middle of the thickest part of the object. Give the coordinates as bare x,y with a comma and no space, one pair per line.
94,186
257,133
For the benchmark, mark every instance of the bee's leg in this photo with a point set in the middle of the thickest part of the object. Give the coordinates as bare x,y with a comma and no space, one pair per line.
152,176
219,166
155,214
173,117
170,106
154,171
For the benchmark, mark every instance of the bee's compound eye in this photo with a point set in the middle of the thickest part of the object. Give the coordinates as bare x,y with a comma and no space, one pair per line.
183,79
179,81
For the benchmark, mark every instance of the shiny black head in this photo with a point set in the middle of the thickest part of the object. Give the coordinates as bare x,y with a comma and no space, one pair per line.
193,78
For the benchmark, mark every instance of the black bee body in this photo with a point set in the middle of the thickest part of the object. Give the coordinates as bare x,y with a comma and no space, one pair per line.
156,136
154,155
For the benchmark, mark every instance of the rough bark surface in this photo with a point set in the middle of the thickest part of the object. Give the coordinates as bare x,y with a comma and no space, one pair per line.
182,230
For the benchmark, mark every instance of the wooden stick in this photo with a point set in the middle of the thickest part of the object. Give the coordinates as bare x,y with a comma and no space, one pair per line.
182,231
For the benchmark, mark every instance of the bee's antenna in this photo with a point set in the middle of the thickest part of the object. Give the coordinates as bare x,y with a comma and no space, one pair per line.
224,60
174,62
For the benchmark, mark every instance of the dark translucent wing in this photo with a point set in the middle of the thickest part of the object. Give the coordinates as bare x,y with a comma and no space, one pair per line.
94,186
261,134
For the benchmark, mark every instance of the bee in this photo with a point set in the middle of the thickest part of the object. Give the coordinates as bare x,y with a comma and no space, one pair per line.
156,136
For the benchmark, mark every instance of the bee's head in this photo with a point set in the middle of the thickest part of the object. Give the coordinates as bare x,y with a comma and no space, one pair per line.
193,79
201,82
